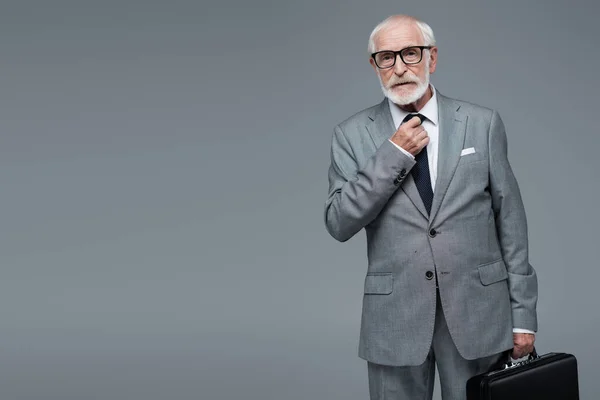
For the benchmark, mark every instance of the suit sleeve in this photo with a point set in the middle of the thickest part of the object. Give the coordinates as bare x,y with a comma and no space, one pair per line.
357,194
511,227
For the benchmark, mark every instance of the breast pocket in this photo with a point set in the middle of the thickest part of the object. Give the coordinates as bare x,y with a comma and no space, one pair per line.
472,158
471,176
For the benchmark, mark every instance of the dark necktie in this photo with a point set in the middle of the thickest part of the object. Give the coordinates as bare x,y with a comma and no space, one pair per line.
420,171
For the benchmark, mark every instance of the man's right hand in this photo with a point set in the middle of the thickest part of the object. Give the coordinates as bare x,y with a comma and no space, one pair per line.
411,136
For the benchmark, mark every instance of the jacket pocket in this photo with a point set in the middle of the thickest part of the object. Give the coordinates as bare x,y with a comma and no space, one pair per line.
379,283
492,272
471,158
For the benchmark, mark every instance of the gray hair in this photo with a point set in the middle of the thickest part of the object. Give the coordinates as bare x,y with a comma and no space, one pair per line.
425,29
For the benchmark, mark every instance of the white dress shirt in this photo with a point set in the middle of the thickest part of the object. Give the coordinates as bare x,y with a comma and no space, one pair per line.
431,125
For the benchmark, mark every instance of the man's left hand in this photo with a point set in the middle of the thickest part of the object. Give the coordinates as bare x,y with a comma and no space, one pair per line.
523,344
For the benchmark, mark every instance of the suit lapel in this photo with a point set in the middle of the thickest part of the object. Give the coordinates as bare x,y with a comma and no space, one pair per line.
381,128
451,140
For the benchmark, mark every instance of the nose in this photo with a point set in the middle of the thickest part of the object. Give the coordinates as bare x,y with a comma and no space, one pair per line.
399,66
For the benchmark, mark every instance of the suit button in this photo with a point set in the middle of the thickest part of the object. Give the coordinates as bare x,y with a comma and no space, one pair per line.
402,173
397,181
432,233
429,275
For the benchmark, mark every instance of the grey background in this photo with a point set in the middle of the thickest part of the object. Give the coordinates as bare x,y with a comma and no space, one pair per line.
164,170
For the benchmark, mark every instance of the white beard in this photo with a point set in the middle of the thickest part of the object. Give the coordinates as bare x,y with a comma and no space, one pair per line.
404,99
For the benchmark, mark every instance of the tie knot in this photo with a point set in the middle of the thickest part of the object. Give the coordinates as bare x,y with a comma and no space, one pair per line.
411,115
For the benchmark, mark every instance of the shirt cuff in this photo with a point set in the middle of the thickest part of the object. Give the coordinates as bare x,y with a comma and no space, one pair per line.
401,149
519,330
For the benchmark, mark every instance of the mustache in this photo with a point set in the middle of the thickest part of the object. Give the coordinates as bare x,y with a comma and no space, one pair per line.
405,79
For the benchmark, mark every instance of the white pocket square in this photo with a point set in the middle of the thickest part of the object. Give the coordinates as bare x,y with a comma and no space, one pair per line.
470,150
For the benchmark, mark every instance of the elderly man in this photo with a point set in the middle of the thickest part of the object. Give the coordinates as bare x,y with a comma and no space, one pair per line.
448,281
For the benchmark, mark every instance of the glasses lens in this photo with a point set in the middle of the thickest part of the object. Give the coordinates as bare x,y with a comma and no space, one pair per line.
385,59
411,55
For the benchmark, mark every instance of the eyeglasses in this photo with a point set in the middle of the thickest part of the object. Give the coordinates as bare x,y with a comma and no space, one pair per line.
408,55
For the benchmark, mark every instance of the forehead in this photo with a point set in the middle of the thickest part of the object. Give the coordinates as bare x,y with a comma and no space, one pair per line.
398,36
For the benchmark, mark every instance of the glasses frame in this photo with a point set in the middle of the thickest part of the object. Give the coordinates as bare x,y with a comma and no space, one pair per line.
399,53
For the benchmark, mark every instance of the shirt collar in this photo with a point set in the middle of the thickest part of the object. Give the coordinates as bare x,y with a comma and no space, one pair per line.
429,110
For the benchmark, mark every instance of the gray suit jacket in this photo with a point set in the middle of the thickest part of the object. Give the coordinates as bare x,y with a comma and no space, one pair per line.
475,238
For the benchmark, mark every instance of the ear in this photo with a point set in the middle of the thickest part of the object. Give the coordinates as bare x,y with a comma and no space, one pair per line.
372,62
433,53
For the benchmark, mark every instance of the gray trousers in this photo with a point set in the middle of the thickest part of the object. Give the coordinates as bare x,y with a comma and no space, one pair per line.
416,382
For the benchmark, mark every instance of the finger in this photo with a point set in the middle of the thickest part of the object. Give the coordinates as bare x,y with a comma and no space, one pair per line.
530,349
420,131
413,122
420,135
517,353
417,136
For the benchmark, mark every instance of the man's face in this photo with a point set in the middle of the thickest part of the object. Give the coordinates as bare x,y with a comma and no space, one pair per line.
404,84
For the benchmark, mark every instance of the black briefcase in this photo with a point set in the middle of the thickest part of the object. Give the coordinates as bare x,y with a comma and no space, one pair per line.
547,377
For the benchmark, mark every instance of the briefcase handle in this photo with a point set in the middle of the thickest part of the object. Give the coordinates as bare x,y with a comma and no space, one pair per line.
509,364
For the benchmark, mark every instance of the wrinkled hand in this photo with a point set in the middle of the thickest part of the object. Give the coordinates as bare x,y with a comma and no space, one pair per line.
523,344
411,136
